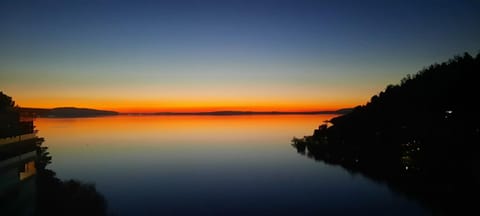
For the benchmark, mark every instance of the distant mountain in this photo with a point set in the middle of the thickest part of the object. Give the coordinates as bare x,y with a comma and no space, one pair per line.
66,112
28,111
78,112
228,112
70,112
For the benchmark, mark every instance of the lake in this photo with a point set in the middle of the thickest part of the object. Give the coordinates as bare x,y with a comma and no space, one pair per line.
210,165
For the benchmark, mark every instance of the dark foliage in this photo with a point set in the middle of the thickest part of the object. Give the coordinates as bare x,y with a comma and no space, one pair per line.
54,196
70,197
9,117
6,102
421,136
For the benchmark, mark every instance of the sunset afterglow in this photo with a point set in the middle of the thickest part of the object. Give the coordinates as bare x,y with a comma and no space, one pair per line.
239,107
221,55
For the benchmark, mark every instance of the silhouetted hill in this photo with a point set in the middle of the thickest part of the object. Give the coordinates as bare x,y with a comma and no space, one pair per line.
341,111
33,112
85,112
421,137
69,112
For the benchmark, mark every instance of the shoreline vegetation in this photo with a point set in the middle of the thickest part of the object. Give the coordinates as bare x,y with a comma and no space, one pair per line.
419,137
74,112
27,186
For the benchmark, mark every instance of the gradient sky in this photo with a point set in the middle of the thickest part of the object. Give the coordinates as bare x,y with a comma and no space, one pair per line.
216,55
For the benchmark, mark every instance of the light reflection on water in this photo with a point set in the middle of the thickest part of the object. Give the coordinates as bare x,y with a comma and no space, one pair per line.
209,165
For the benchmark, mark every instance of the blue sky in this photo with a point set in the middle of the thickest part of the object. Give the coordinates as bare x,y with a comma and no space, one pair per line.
223,54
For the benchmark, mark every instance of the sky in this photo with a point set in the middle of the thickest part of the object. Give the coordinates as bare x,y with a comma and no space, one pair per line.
223,55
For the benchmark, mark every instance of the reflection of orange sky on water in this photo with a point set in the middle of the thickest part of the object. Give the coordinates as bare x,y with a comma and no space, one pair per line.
148,106
154,139
177,128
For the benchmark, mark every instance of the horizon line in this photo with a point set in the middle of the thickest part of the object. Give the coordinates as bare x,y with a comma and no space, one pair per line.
191,110
238,112
207,112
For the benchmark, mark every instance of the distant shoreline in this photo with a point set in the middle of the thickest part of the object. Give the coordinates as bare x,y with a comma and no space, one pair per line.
72,112
236,113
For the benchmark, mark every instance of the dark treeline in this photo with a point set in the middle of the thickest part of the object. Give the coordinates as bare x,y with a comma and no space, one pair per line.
420,137
52,195
70,197
10,124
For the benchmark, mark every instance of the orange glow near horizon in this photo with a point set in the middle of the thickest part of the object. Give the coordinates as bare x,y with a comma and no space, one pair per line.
219,107
149,106
190,129
194,107
193,94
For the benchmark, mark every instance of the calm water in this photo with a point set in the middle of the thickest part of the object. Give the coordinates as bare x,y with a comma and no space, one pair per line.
221,165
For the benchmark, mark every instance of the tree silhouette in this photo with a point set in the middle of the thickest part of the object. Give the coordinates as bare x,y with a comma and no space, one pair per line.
53,195
10,124
418,136
6,102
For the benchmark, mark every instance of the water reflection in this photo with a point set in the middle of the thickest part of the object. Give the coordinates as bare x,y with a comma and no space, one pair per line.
448,190
71,197
225,165
27,187
17,177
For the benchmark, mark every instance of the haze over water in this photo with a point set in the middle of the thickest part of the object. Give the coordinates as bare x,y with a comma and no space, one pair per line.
220,165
